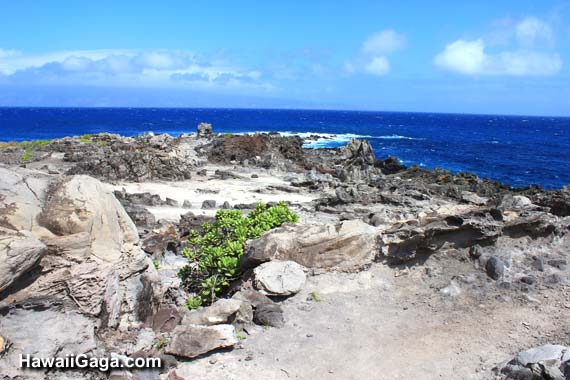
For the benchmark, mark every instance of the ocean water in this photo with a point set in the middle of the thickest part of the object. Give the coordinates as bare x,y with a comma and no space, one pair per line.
517,150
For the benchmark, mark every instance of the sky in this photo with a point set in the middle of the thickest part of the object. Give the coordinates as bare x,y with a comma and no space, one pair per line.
492,57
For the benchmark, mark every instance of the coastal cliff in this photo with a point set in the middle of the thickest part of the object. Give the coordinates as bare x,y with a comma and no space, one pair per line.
435,272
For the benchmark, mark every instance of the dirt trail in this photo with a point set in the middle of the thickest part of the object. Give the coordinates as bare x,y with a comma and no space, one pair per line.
373,325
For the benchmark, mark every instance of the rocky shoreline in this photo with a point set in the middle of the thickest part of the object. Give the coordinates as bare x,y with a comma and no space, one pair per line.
457,273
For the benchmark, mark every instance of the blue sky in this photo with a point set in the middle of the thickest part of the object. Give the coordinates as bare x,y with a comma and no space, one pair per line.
506,57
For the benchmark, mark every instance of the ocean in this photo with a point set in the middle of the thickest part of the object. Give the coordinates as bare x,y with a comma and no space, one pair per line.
517,150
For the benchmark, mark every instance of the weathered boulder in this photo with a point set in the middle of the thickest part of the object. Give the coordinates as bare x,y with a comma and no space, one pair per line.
81,204
279,278
348,245
19,251
190,341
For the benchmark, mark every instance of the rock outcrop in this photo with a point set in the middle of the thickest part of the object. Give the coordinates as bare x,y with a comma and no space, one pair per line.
548,362
71,262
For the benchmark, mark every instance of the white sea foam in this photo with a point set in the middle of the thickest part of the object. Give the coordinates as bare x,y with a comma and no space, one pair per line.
327,140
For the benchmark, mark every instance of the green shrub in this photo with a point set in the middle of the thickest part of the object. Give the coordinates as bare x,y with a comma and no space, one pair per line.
215,253
30,147
86,138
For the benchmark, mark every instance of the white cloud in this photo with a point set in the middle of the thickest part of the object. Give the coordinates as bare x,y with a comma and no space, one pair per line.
528,53
384,42
373,56
378,66
125,67
532,31
470,57
466,57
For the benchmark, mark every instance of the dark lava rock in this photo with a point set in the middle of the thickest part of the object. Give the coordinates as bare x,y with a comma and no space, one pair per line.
133,161
209,204
165,238
390,165
529,280
171,202
142,218
190,222
146,199
269,314
260,149
557,201
495,268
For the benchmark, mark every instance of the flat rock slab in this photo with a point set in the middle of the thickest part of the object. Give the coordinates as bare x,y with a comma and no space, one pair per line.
349,245
191,341
219,312
279,278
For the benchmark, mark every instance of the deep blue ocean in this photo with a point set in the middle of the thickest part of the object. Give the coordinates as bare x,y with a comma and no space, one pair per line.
517,150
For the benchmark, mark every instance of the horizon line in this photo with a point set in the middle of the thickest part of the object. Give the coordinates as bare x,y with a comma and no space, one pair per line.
290,109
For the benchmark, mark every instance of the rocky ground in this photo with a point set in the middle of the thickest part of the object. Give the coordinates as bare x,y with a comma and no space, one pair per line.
391,273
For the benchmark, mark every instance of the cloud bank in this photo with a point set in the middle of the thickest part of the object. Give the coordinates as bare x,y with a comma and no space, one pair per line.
162,68
471,57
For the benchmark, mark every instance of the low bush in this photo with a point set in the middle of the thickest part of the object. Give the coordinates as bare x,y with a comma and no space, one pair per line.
214,253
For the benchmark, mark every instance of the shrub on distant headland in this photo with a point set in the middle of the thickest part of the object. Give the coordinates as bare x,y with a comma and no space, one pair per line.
214,254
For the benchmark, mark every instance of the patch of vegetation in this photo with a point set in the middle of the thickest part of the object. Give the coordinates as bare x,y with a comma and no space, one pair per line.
88,138
240,335
316,297
29,148
193,303
214,254
156,264
160,343
227,134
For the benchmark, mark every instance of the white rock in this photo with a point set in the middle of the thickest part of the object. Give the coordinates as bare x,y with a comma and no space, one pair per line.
470,197
538,354
280,278
515,202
